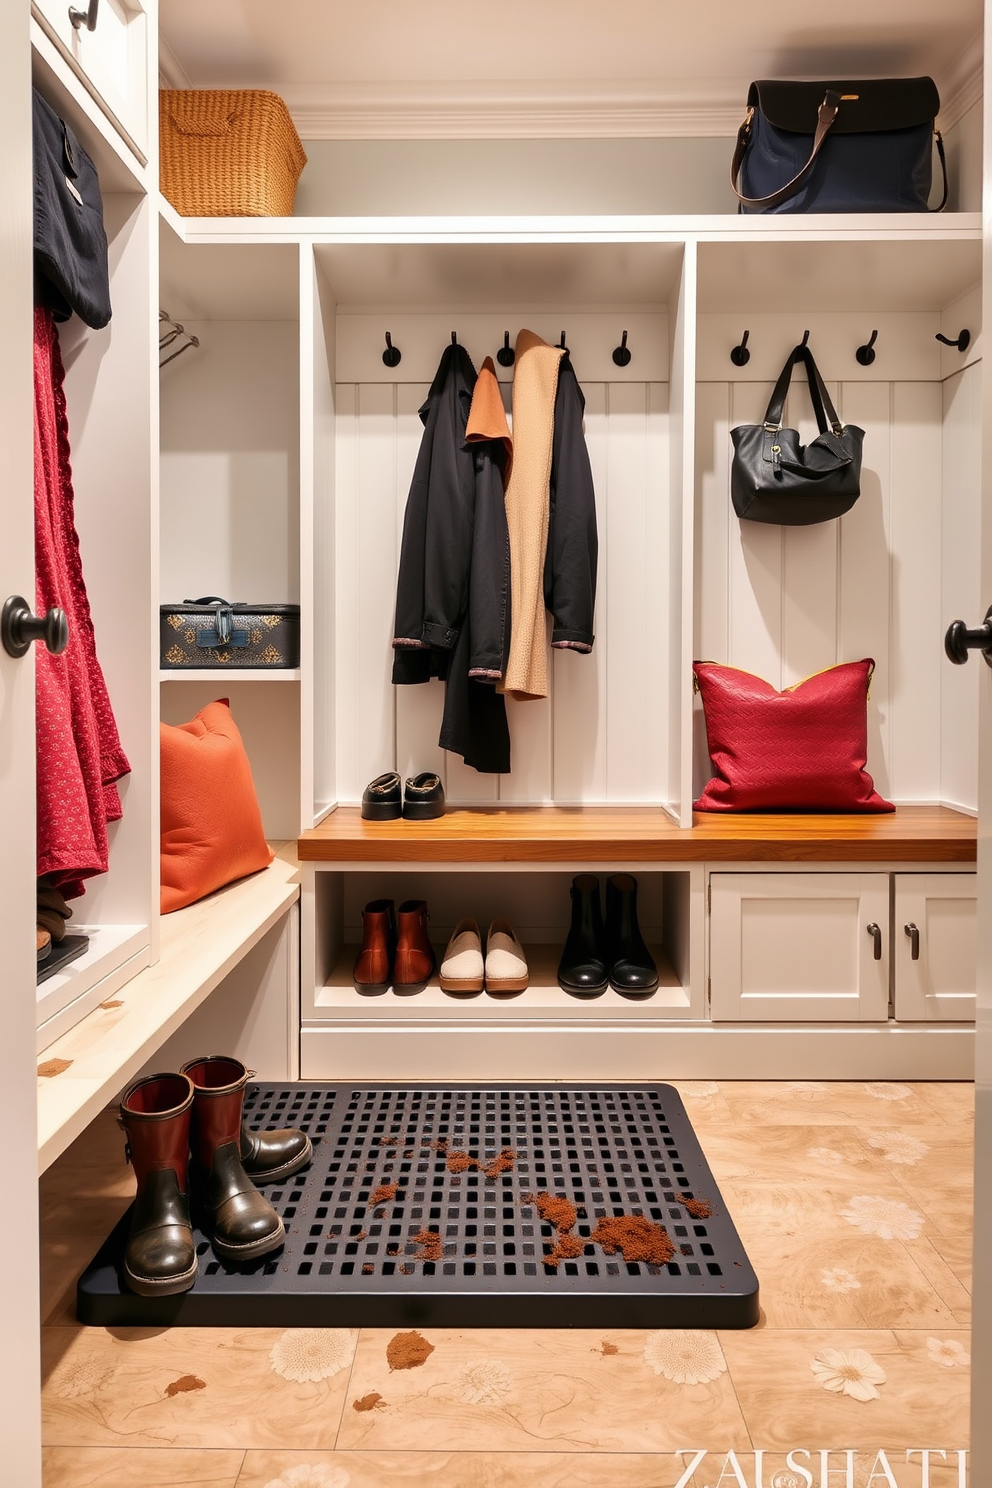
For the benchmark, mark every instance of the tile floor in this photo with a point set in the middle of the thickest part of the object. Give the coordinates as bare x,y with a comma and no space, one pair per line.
853,1201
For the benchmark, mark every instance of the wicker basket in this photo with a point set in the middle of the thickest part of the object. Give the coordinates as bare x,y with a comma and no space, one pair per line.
228,153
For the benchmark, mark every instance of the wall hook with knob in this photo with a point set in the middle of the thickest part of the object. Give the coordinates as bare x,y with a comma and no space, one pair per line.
506,355
19,627
621,353
740,356
392,356
866,354
962,342
960,641
87,17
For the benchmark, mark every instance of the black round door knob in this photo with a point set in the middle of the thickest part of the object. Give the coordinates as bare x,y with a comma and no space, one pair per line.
959,640
18,628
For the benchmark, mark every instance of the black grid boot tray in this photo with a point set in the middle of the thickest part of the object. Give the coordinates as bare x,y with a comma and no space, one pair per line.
610,1151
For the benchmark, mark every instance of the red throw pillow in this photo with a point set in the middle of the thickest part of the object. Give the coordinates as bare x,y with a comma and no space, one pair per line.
803,749
211,824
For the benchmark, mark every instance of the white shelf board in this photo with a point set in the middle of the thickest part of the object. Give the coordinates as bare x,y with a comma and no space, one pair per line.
339,1000
70,994
199,946
230,674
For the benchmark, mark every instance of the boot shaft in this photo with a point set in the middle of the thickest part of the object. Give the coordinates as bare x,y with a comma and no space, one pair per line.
375,960
621,910
218,1100
587,913
414,960
155,1113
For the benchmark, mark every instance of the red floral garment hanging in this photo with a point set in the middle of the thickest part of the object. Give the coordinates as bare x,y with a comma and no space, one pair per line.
79,750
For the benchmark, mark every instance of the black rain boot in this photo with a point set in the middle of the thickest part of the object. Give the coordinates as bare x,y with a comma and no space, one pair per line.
243,1225
268,1156
160,1256
582,968
632,968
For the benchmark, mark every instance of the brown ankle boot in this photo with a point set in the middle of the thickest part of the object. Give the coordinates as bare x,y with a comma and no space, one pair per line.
243,1224
160,1257
374,963
415,960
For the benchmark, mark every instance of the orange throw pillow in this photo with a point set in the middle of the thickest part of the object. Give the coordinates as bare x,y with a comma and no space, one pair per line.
211,824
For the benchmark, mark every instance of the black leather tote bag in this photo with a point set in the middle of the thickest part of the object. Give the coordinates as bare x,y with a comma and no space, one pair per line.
774,478
71,271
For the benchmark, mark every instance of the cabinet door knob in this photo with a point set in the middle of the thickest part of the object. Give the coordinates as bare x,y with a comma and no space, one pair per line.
85,17
959,640
18,628
876,934
914,941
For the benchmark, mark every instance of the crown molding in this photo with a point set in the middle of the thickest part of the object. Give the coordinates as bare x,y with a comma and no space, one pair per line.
962,83
531,110
635,109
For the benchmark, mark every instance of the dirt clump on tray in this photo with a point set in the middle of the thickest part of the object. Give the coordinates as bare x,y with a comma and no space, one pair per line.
431,1245
383,1194
555,1210
408,1351
636,1238
461,1162
697,1208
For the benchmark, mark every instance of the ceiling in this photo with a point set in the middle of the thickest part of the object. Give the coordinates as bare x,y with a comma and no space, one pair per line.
431,70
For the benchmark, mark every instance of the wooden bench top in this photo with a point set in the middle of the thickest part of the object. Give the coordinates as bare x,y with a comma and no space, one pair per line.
85,1068
616,834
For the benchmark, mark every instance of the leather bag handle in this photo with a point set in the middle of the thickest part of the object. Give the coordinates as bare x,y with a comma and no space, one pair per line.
823,408
826,114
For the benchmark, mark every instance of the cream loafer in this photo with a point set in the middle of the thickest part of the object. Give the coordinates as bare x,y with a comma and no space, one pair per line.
506,964
462,969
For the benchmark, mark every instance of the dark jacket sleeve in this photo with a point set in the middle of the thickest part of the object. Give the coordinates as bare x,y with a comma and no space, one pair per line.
489,592
436,550
573,544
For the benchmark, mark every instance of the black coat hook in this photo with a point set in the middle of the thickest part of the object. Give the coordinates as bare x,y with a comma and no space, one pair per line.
805,340
392,354
962,343
621,354
866,354
561,343
740,356
454,338
506,354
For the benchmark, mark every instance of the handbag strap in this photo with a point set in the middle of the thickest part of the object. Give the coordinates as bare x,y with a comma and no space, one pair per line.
825,117
823,408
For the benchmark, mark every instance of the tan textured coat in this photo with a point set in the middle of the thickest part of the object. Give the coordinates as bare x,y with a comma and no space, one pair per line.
535,384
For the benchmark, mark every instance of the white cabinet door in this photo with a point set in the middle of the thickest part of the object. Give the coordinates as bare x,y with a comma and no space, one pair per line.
112,59
935,945
812,947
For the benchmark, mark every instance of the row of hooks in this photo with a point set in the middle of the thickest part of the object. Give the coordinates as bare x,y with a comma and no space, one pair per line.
392,356
740,355
169,333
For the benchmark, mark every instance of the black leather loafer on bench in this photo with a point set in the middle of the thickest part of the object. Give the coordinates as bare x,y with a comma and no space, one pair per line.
381,801
423,798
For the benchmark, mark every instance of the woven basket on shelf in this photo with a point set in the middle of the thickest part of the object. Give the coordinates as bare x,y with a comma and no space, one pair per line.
228,153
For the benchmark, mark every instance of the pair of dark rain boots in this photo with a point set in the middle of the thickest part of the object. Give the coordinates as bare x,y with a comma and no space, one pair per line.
596,955
185,1133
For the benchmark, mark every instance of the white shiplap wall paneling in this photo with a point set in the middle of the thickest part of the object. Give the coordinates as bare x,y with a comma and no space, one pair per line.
582,743
785,602
421,338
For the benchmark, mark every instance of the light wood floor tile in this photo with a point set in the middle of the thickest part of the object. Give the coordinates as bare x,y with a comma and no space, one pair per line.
920,1400
789,1153
947,1199
813,1281
827,1103
517,1390
704,1100
118,1467
794,1208
62,1262
385,1469
193,1387
956,1251
951,1100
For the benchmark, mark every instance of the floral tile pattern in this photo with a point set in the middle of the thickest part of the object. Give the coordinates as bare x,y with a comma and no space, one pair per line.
853,1200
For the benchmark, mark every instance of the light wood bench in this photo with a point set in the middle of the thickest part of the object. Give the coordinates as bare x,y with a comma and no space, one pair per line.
86,1067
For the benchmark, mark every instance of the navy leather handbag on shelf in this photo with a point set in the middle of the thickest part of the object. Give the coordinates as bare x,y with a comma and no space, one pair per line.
774,478
861,146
